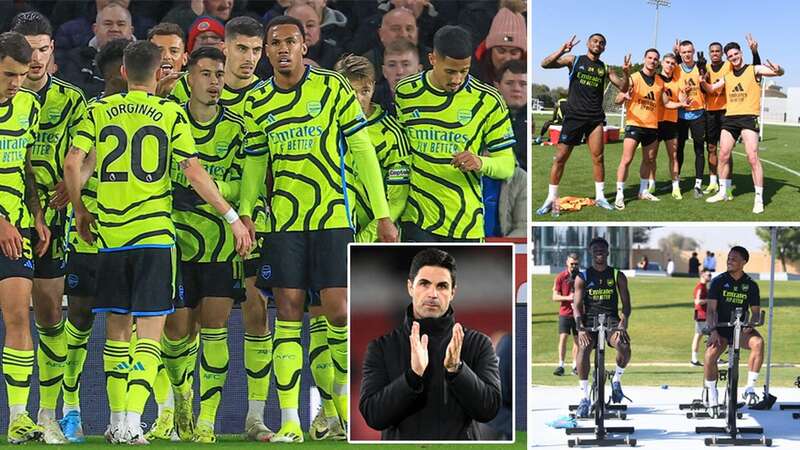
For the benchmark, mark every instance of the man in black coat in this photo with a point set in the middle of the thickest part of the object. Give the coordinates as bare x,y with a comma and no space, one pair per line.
430,379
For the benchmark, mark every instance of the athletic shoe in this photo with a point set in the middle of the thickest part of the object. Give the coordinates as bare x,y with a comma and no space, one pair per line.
718,197
545,208
676,194
575,371
651,189
563,422
646,195
204,434
697,192
22,429
712,188
749,392
583,409
256,431
619,203
603,203
321,429
52,431
163,427
730,194
697,363
616,392
290,432
114,433
184,417
758,206
72,428
559,371
133,435
765,403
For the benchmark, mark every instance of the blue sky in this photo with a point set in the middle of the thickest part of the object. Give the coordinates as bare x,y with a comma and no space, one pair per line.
628,26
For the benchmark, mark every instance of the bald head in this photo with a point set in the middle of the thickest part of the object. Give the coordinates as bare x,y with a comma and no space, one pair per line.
306,14
112,22
399,23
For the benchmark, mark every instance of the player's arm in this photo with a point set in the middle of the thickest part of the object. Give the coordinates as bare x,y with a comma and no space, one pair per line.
231,188
625,298
557,297
254,171
698,300
669,104
35,207
622,83
577,301
498,161
74,181
560,58
769,69
623,96
753,44
709,87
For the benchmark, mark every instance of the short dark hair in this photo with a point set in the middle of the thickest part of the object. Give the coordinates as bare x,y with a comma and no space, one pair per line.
286,20
598,34
574,256
141,59
245,26
111,54
452,41
686,42
398,46
658,55
713,44
670,56
599,240
31,23
705,269
742,252
16,47
516,66
433,257
167,29
355,67
205,52
731,46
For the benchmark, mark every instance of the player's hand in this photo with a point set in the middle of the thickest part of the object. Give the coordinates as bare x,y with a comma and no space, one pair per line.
567,46
43,232
466,161
774,67
583,339
84,221
387,232
241,235
251,228
623,324
60,198
701,64
626,64
167,83
714,339
10,240
452,356
419,350
752,43
676,47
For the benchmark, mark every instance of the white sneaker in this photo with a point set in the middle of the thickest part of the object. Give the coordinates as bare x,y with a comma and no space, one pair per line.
758,206
134,435
52,431
646,195
718,197
619,202
114,433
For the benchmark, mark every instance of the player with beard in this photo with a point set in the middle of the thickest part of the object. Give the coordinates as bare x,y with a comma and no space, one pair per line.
583,115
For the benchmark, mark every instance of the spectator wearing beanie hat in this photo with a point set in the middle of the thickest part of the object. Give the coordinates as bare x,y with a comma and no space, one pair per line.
206,31
506,41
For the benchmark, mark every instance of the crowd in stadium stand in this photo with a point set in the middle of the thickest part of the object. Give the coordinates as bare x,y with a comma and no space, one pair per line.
395,35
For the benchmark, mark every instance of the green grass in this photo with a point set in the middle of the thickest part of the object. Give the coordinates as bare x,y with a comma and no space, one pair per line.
661,330
780,187
231,440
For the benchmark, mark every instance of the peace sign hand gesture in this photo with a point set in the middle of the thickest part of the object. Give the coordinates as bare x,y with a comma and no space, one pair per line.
567,47
752,43
626,64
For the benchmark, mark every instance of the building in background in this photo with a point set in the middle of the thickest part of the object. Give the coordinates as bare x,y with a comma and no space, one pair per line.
551,245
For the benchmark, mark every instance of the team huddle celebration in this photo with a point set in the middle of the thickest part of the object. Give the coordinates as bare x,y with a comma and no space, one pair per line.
712,95
163,182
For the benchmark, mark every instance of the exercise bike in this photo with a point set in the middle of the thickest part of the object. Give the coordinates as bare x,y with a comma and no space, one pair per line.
731,430
699,407
600,409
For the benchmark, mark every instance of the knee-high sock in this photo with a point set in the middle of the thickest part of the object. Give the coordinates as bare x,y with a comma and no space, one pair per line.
319,357
175,355
162,388
337,341
50,358
146,359
191,359
258,365
17,370
77,344
288,359
213,371
116,367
